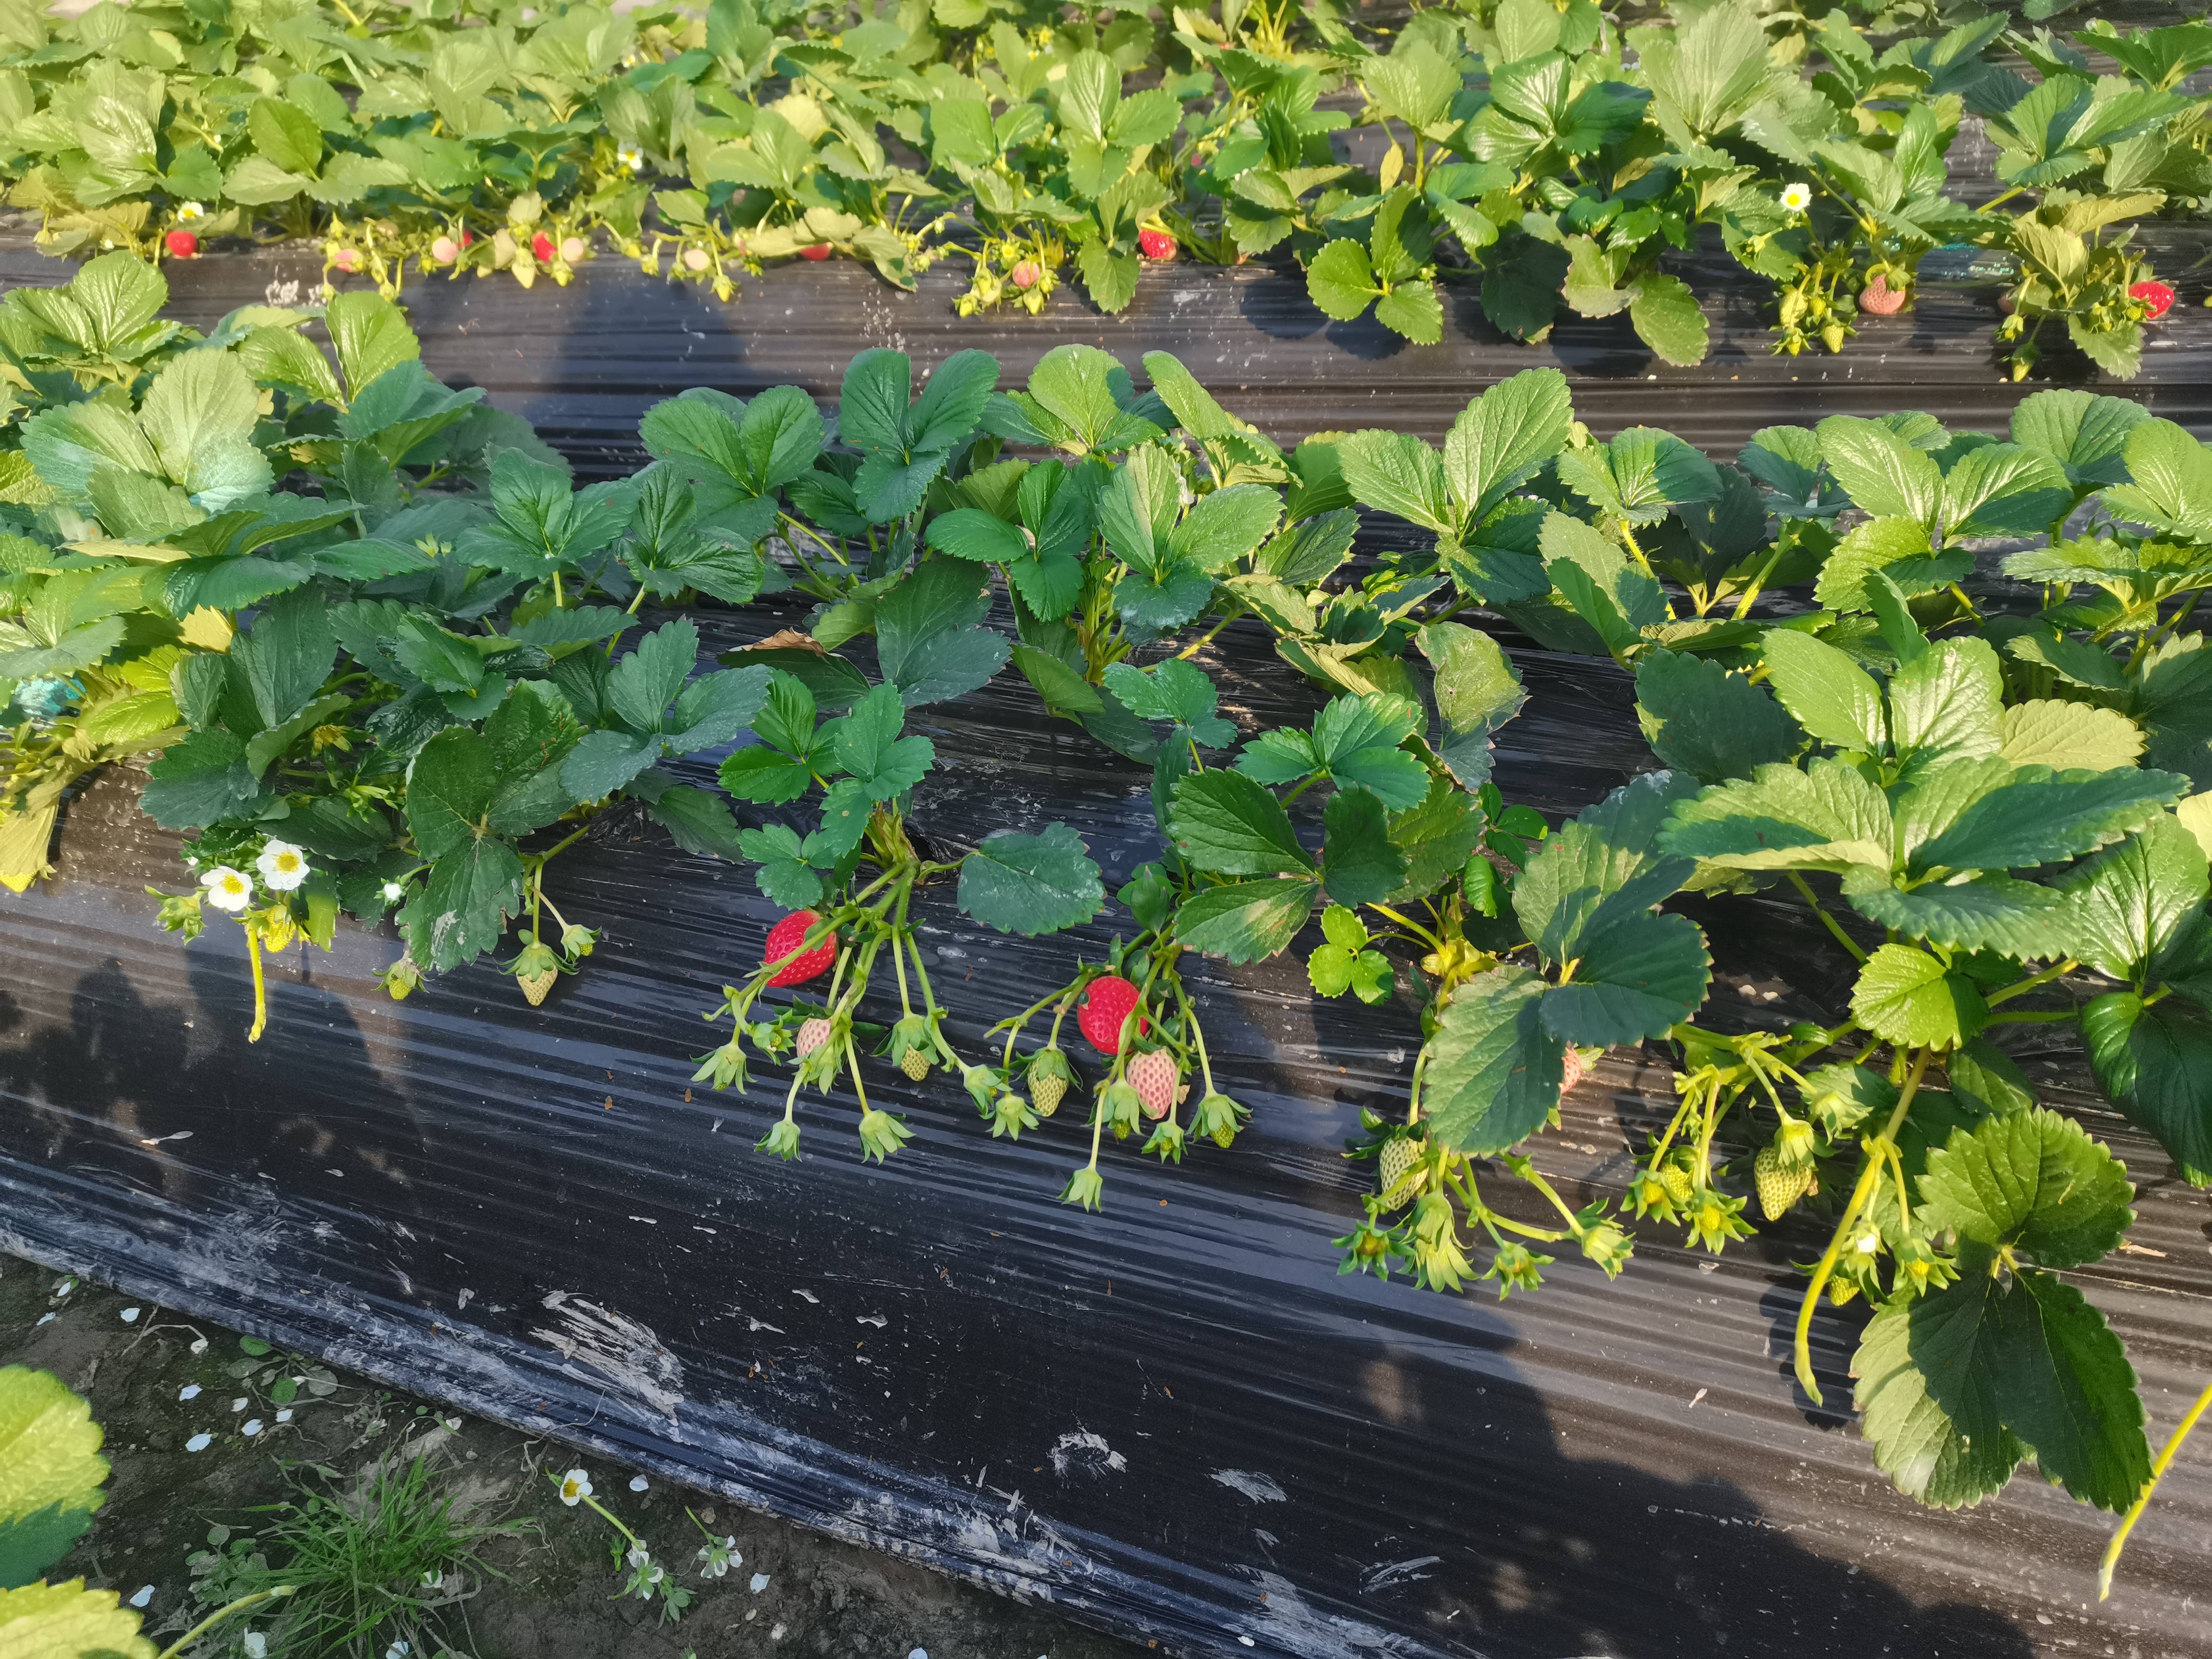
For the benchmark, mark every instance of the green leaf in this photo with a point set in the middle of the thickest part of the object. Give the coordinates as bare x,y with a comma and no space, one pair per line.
2004,489
1172,691
1503,438
286,656
1031,884
1667,317
371,336
2170,487
1640,475
1063,690
1394,473
1341,281
1945,1452
67,1621
698,821
1896,547
2130,900
1436,837
50,1472
1834,699
1827,817
928,641
867,744
2031,1182
1246,921
2065,1388
288,136
1494,1074
1110,278
968,532
1356,741
2017,918
2156,1063
1701,719
1410,309
1905,996
198,781
2085,433
2040,817
1226,824
1227,526
1946,705
1639,976
646,680
461,909
1360,864
2069,737
1605,865
1886,475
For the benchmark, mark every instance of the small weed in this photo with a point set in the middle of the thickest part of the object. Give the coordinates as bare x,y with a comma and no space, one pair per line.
374,1571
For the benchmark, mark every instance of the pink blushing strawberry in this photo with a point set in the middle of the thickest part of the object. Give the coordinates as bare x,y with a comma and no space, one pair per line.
445,250
785,937
1153,1074
572,249
1879,299
1026,274
813,1034
2156,297
1105,1007
819,251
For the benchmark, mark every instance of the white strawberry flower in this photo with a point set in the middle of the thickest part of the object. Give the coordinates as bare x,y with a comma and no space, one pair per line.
576,1488
282,865
227,889
188,211
631,157
1798,197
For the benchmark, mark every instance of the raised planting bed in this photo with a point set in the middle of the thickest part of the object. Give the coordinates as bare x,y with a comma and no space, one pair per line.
1174,1418
583,363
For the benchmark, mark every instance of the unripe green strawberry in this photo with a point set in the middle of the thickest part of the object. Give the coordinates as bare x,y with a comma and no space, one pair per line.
811,1036
1153,1074
1048,1077
1045,1093
535,970
1400,1158
1676,1181
1779,1186
915,1064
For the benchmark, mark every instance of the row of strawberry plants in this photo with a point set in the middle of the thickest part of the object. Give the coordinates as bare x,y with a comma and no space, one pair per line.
392,662
1546,153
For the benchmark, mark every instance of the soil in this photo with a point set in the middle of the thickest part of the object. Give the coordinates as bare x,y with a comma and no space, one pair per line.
554,1585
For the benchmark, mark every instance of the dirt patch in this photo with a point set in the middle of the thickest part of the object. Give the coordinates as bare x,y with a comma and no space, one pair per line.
158,1383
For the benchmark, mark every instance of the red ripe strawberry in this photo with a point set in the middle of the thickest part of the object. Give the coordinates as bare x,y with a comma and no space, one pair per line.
2157,297
1880,300
1104,1007
819,251
785,938
181,244
541,248
1026,274
467,236
1153,1074
1156,244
